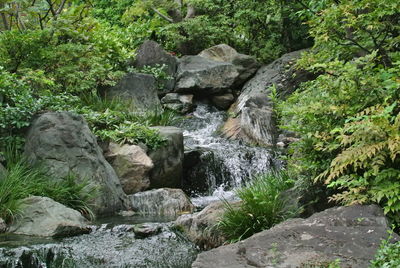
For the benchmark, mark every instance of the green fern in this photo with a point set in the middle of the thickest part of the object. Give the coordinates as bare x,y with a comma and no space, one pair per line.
367,169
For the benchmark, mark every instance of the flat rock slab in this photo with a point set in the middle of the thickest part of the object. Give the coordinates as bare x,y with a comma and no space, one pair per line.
349,234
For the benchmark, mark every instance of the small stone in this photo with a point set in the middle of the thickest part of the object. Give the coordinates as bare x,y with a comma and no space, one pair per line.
146,230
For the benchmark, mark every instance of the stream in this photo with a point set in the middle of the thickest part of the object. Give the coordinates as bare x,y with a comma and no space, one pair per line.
220,167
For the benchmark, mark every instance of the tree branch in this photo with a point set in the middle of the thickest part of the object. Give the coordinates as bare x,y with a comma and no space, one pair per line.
162,15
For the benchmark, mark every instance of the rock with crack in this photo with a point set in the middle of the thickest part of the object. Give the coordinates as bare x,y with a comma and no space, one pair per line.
254,118
351,235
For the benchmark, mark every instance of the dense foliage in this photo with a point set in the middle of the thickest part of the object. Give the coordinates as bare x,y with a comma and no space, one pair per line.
348,118
263,204
387,255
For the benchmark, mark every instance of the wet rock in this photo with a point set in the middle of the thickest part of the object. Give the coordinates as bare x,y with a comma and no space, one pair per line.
168,160
140,90
3,226
132,166
64,145
163,201
349,234
151,53
246,65
146,229
201,228
198,167
254,120
201,76
223,102
182,104
42,216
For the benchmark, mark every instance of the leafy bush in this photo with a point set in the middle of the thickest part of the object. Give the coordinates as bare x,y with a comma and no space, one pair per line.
110,120
19,102
366,169
263,205
346,118
387,256
23,180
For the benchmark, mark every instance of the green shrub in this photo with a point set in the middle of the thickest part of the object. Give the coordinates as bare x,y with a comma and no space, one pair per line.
264,204
387,256
19,102
349,138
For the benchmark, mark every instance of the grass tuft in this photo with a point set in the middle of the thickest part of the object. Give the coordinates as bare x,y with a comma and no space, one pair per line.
264,204
23,180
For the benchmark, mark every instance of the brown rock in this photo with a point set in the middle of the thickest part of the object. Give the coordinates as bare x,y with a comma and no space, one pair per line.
132,166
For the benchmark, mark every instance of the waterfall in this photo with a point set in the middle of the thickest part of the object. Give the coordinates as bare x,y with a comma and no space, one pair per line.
226,164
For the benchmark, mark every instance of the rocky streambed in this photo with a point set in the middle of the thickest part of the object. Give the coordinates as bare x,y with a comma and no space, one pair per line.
132,244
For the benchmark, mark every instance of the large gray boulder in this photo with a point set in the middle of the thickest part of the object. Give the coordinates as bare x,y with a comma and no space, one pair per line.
168,159
349,234
132,166
152,54
63,144
246,65
139,90
202,76
254,120
201,228
42,216
164,201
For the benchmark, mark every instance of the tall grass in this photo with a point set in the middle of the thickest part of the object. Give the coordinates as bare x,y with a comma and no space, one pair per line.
23,180
264,204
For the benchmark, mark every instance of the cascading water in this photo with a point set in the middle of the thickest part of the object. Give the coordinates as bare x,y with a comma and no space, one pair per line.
228,164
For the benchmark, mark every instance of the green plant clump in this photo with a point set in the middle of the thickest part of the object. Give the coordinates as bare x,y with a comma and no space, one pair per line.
388,255
348,117
22,180
263,205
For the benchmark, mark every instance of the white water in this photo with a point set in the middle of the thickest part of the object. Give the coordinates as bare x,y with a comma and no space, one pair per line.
237,163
